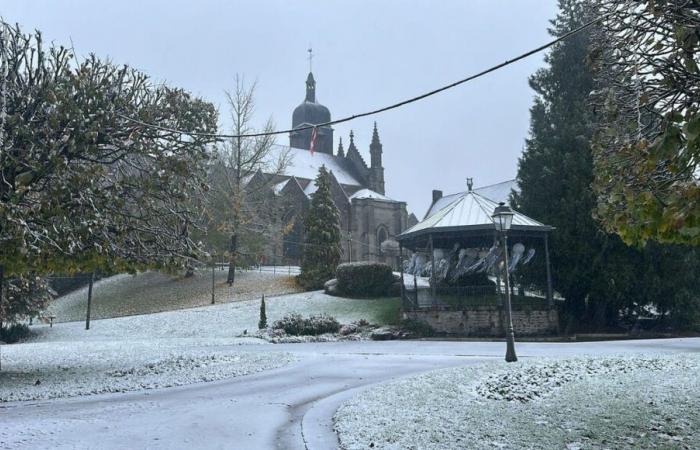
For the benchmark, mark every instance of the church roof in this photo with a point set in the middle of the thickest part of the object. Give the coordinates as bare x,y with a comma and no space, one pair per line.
469,210
368,193
302,164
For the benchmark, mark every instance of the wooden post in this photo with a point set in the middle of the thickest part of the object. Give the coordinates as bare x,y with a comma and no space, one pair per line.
89,301
401,269
415,290
213,280
550,296
433,287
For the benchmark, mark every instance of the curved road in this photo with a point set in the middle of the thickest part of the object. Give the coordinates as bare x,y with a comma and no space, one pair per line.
287,408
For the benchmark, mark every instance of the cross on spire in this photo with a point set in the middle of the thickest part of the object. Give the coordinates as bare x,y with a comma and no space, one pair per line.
311,57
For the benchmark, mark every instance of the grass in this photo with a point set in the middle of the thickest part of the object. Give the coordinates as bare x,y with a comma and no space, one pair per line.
586,403
150,292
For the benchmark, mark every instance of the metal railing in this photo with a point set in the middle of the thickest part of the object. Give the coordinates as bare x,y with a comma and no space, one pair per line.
462,297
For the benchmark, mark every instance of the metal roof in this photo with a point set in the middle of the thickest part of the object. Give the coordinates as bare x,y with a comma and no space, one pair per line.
499,192
469,211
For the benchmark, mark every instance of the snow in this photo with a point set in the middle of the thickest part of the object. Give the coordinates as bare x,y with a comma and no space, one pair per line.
302,164
228,320
588,402
54,369
163,349
368,193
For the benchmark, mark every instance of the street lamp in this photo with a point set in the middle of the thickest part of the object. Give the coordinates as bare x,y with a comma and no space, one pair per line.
502,219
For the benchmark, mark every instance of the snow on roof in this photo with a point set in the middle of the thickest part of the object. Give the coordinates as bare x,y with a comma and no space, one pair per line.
368,193
310,189
499,192
302,164
279,186
468,209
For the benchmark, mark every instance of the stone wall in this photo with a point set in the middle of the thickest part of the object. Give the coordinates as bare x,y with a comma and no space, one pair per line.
489,321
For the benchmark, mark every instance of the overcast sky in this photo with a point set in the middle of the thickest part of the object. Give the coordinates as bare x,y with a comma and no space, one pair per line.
368,54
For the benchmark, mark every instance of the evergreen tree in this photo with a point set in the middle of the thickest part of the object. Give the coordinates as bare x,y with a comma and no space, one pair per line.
556,168
262,323
321,236
598,274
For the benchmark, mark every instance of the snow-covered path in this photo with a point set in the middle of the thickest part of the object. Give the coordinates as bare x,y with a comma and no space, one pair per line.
290,407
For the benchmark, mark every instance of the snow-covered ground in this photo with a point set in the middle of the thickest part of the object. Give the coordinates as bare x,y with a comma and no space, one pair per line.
124,294
163,349
603,402
221,321
51,370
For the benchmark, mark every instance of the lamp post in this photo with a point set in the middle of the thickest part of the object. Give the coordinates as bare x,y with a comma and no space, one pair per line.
502,219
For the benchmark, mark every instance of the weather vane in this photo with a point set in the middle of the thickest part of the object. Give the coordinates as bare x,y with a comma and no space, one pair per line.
311,57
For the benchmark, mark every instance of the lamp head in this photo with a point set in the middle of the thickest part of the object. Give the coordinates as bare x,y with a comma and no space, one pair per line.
502,217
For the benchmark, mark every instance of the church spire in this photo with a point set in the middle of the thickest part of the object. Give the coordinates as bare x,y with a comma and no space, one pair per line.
341,151
310,88
375,148
376,175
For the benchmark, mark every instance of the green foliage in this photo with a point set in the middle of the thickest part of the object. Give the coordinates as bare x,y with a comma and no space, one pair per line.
647,150
23,297
296,325
321,236
262,322
364,279
85,187
417,328
597,273
14,333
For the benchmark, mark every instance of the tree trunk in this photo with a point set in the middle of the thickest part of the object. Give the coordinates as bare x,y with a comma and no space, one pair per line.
2,283
232,259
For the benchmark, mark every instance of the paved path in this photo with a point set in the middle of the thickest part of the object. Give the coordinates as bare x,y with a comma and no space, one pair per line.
287,408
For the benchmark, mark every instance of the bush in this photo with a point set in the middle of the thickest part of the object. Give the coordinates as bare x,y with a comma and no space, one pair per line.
296,325
364,279
417,328
13,333
262,323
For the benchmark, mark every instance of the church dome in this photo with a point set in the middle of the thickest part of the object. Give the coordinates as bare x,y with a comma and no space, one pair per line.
309,111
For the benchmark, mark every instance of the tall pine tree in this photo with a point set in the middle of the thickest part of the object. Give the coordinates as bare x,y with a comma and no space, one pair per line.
556,168
321,236
602,279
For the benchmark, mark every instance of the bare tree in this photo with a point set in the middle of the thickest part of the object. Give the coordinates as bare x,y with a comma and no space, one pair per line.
241,200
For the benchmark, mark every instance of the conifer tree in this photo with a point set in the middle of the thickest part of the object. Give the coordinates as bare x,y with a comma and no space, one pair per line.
321,236
600,277
556,168
262,323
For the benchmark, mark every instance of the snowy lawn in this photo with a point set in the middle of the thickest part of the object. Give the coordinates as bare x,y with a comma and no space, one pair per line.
222,321
584,403
149,292
51,370
163,349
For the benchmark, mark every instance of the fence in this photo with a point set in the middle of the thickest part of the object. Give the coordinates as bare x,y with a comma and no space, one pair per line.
423,297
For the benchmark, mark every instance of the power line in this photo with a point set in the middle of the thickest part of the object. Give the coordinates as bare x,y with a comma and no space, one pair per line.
386,108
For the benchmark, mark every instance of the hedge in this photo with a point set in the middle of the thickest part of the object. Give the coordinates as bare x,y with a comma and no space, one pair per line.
364,279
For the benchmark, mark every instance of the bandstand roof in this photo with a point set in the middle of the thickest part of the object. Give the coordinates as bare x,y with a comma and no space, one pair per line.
468,213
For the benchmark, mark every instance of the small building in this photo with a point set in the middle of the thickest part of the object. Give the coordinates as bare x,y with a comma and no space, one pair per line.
453,279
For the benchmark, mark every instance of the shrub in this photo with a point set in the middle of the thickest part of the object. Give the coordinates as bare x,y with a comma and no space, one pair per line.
13,333
262,323
364,279
296,325
417,328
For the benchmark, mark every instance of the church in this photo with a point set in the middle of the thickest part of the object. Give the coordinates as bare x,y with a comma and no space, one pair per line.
369,219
